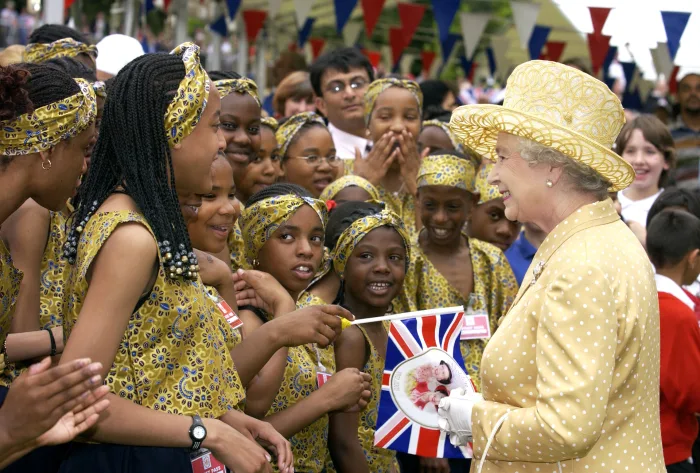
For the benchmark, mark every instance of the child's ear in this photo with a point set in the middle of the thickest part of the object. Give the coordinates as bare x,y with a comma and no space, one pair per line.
694,258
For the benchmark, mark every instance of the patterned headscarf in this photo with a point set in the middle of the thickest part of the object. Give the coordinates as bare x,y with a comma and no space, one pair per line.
359,229
270,122
241,86
336,186
259,221
186,109
486,191
66,47
100,89
446,128
446,170
378,86
289,129
48,125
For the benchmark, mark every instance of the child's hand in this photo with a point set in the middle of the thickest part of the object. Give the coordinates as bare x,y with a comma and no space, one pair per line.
259,289
348,390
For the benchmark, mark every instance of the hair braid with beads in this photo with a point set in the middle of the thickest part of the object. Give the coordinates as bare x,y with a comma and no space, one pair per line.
132,151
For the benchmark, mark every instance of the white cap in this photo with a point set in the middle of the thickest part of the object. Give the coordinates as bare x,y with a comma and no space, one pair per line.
116,51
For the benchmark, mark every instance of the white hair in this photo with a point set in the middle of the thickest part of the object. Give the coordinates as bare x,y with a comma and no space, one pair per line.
581,177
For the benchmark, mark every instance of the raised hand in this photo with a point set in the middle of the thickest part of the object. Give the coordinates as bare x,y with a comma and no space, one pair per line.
213,271
378,161
409,158
261,290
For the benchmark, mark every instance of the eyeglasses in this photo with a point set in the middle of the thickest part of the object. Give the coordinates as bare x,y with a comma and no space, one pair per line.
315,161
338,87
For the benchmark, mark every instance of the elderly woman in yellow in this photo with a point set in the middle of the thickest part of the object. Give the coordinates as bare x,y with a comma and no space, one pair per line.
570,380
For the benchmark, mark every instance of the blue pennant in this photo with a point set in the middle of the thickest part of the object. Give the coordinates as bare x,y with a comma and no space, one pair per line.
444,12
305,31
233,6
448,45
674,24
343,10
538,39
219,26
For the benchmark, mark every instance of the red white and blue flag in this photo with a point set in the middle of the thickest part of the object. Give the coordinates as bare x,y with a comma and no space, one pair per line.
423,364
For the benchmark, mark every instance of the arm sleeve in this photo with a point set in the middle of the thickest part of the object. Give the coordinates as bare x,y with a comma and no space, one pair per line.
574,376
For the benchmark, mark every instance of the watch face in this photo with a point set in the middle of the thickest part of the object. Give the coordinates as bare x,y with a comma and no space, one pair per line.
199,432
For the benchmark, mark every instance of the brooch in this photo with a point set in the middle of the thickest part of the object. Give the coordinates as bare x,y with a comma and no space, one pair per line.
536,272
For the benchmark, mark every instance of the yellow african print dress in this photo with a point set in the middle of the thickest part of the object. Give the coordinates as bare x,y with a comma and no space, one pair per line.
172,356
10,279
402,204
236,247
323,357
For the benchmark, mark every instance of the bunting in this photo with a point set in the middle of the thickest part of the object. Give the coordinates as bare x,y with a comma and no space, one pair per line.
343,10
317,45
233,6
302,9
374,57
411,16
598,47
537,40
555,50
490,55
427,59
525,16
273,7
598,18
674,24
448,45
371,9
305,31
254,21
444,12
219,26
397,42
351,33
473,26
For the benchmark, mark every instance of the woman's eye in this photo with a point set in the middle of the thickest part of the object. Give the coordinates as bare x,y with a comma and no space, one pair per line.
494,216
286,236
229,126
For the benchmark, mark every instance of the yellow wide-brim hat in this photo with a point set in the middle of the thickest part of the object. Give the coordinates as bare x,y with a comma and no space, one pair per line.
557,106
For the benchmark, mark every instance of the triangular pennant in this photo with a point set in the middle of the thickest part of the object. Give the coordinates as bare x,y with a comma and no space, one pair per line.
598,46
166,4
411,16
628,68
673,80
305,31
406,62
537,40
555,49
397,42
302,9
501,45
254,21
233,6
645,88
67,4
374,57
674,24
351,33
609,58
343,10
448,45
427,58
469,67
273,7
148,6
444,12
473,26
317,45
492,61
371,9
525,17
662,59
598,17
219,26
632,100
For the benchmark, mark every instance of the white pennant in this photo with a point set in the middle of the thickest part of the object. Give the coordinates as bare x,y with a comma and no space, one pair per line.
302,8
662,60
273,8
500,45
351,32
645,86
473,26
525,17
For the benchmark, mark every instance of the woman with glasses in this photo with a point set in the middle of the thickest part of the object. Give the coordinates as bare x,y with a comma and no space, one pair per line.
308,152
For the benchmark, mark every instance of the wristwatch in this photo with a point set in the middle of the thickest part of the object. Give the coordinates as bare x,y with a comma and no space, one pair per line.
197,433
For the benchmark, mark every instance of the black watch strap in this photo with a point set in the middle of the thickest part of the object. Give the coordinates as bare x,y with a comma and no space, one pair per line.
197,427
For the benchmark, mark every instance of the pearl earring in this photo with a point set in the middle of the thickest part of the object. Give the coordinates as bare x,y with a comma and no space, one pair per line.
549,183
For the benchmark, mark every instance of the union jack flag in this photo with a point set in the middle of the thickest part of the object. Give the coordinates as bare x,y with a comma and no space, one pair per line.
423,364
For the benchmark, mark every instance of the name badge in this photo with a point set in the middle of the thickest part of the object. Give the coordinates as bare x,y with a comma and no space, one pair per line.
231,317
204,462
476,327
322,377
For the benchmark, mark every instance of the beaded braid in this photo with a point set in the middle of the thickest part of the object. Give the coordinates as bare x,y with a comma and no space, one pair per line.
133,152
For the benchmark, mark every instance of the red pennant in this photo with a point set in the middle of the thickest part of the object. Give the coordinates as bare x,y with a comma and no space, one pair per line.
166,4
598,46
475,65
254,21
67,3
554,50
371,9
411,16
397,40
317,45
598,18
427,57
374,57
673,80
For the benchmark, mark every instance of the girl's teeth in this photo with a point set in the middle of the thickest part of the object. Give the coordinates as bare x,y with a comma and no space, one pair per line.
440,231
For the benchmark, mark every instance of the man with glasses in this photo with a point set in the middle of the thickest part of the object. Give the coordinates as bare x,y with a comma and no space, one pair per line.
340,79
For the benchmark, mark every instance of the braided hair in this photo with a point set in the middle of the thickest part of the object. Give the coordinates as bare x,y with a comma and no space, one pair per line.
276,190
73,68
138,158
223,75
344,215
49,33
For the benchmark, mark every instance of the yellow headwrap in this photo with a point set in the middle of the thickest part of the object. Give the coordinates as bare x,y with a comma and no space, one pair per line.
66,47
446,128
446,170
270,122
289,129
186,109
378,86
349,181
241,86
359,229
46,126
486,191
259,221
100,89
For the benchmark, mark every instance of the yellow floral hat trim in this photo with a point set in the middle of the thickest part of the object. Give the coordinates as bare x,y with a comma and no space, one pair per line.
446,170
376,88
66,47
557,106
46,126
259,221
338,185
486,191
270,123
241,86
186,108
359,229
288,130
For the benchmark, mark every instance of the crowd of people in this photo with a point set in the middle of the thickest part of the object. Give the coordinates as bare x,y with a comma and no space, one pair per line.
179,264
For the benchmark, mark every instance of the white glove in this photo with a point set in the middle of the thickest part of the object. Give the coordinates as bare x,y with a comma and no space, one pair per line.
455,415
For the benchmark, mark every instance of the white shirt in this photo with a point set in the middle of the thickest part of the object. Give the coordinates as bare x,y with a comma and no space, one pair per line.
669,286
636,210
345,143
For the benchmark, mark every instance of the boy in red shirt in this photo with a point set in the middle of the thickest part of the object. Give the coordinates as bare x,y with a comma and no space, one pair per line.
673,245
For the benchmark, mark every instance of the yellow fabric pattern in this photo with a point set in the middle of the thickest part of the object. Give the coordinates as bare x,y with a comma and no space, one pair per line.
446,170
338,185
322,357
259,221
236,248
66,47
46,126
351,236
288,130
557,106
171,357
100,89
270,123
186,108
486,191
376,88
10,279
241,86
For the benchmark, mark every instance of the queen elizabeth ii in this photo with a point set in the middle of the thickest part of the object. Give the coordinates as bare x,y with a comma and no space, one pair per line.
570,379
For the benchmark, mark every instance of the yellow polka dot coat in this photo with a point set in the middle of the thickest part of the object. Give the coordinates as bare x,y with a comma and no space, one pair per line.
575,362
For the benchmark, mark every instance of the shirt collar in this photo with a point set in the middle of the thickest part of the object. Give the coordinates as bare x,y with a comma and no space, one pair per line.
669,286
344,138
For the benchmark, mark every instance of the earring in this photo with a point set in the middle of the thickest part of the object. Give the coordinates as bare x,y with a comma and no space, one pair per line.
549,183
43,164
